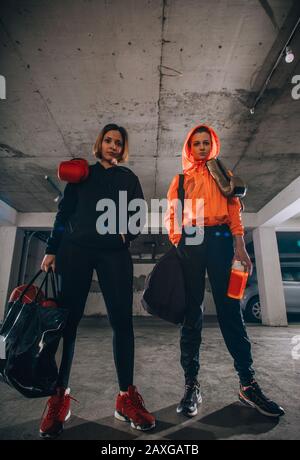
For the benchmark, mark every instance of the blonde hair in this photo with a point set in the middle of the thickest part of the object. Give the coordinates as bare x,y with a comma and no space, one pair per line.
112,127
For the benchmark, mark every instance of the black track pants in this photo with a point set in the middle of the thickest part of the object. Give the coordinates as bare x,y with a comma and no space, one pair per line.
215,255
114,269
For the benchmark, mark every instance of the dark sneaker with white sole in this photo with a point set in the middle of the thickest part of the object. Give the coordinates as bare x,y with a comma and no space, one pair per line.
253,396
188,406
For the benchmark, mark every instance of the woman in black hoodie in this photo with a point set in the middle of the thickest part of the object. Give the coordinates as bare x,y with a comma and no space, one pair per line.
81,251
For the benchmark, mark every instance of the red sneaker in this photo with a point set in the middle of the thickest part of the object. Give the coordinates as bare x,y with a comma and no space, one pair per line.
131,408
59,411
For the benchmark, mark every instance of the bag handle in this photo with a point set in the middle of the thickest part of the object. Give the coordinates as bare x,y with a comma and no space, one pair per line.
31,283
54,284
181,195
40,288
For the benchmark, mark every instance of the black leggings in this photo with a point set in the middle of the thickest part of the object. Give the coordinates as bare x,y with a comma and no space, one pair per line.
114,269
215,255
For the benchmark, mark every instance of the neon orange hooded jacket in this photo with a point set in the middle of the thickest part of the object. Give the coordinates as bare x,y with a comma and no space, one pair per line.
198,183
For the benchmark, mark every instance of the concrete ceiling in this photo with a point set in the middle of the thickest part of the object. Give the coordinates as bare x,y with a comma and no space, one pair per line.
158,67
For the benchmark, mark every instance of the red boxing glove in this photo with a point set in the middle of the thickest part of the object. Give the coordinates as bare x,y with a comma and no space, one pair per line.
74,171
29,296
49,303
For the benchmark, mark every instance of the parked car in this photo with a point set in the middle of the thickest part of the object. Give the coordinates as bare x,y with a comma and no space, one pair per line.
250,303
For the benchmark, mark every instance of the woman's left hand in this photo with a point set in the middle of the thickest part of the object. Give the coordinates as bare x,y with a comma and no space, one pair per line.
123,237
242,255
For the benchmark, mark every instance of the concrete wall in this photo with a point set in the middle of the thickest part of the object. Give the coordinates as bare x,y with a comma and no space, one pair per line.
10,252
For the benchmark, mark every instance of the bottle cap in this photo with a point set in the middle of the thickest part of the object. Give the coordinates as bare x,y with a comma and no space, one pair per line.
237,264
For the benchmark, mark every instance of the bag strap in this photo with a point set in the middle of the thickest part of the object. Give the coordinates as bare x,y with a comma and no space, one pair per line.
45,280
181,195
54,284
30,283
223,170
221,167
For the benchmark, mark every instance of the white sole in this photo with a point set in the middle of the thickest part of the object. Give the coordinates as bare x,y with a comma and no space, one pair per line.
120,417
191,414
68,416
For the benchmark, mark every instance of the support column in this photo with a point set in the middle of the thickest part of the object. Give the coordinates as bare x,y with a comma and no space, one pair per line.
270,285
7,247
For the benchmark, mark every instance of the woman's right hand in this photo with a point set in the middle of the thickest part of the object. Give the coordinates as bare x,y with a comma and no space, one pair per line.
48,261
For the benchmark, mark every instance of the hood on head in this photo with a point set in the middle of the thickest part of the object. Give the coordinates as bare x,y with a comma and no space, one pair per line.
188,161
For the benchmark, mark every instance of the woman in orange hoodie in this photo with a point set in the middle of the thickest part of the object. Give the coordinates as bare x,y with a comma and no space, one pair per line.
218,241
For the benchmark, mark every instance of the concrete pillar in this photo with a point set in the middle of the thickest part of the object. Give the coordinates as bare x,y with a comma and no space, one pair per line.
269,277
7,247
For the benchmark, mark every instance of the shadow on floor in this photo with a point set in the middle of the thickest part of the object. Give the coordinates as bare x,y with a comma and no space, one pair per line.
230,421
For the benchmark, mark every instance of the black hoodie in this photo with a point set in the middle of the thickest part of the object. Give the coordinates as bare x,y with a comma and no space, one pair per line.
78,205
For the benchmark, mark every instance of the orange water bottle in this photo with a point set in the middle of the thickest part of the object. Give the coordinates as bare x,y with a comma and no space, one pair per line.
238,280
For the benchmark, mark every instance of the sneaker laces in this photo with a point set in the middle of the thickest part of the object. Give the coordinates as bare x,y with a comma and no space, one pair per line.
133,407
189,387
55,407
258,392
52,404
66,401
138,401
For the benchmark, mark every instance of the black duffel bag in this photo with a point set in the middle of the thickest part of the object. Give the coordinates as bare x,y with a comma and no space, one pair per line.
31,332
164,293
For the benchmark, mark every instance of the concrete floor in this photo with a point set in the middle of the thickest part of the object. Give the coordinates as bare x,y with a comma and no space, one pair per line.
158,376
